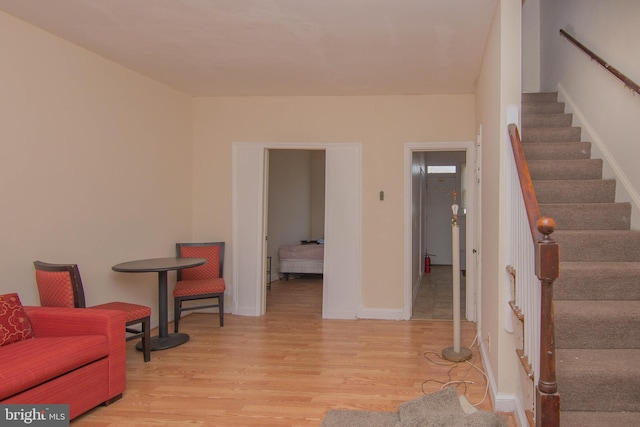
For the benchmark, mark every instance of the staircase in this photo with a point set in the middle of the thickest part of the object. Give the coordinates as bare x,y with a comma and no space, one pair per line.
597,296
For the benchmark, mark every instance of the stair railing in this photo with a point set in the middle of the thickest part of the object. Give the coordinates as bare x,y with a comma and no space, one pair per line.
533,259
624,79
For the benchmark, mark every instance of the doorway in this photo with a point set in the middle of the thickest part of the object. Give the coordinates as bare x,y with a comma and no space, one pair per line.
428,215
295,216
343,227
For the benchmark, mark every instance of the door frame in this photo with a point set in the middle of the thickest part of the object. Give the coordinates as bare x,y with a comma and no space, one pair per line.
472,277
343,226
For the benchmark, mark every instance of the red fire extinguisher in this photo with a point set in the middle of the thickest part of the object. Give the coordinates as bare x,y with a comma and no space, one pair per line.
427,264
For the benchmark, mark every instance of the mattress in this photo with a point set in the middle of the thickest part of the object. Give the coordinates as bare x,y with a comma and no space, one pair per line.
311,251
302,258
306,266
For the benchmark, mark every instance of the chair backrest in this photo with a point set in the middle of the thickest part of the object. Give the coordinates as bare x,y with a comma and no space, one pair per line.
59,285
213,252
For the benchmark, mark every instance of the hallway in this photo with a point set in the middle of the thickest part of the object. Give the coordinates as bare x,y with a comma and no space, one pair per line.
435,296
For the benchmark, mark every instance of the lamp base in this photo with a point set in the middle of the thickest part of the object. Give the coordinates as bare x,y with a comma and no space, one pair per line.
460,356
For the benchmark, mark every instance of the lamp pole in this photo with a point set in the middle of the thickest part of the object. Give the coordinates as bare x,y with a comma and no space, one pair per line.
456,353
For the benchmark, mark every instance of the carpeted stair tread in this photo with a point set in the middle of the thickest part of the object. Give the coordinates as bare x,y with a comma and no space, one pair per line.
598,380
599,245
589,216
598,281
557,150
599,419
597,324
546,120
575,191
597,294
542,107
563,169
551,134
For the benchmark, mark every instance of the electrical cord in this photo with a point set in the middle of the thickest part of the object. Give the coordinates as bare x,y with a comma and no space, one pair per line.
454,365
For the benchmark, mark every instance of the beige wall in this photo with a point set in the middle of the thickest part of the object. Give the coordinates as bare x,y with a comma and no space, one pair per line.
95,166
381,124
499,86
531,46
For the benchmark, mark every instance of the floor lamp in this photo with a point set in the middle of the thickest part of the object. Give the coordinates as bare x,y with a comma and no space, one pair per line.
456,353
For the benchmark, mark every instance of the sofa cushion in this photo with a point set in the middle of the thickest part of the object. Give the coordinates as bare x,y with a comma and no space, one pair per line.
28,363
14,323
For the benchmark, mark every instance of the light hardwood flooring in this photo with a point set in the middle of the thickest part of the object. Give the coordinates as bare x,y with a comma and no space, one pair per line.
288,368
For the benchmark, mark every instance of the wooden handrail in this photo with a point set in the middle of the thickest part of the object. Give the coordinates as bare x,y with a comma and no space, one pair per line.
626,80
547,262
528,193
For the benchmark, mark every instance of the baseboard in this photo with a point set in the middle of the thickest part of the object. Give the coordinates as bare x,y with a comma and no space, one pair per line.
380,313
502,402
416,288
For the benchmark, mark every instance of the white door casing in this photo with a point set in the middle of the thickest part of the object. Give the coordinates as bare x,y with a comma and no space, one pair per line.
469,147
343,224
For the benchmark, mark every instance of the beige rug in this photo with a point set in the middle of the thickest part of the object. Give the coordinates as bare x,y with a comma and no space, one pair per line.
443,408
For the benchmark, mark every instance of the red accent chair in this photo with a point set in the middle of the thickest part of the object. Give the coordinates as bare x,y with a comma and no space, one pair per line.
203,282
60,285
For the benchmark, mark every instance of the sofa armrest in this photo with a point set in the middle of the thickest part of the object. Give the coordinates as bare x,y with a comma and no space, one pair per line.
60,321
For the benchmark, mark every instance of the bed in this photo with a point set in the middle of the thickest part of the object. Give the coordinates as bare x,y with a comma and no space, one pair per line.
306,258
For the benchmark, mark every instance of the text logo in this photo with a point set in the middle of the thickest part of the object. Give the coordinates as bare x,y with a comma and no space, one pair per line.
34,415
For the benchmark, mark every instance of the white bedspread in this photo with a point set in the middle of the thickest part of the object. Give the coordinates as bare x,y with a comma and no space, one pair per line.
310,251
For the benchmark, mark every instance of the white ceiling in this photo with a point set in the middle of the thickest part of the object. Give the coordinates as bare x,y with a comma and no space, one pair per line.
280,47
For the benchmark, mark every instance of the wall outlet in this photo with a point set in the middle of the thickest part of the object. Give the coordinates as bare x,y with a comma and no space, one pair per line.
487,342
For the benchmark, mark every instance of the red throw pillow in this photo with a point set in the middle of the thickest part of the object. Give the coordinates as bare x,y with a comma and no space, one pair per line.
14,323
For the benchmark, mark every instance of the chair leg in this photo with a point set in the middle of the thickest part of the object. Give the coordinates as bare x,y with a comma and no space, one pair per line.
221,309
146,339
177,305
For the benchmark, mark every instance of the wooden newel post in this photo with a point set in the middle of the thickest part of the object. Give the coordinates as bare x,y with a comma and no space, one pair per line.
547,270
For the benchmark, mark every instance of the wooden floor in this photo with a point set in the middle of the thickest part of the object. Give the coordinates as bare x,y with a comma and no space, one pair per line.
288,367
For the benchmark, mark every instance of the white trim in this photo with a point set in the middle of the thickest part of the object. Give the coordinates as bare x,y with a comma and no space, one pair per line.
469,147
343,224
380,313
477,250
502,402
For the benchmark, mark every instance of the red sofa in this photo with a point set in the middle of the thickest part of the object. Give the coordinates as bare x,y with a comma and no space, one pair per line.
76,357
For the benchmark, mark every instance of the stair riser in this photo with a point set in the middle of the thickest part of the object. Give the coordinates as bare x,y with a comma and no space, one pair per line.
562,169
561,134
599,246
543,108
598,380
531,97
545,120
597,324
615,392
598,419
557,150
579,191
597,281
585,216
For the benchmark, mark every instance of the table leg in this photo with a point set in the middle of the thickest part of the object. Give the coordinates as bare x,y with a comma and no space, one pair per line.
164,340
163,318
